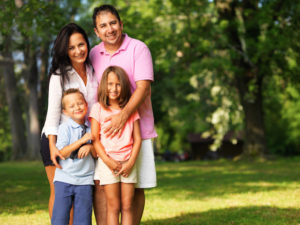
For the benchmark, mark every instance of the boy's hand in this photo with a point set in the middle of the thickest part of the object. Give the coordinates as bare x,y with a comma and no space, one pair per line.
84,151
126,169
86,137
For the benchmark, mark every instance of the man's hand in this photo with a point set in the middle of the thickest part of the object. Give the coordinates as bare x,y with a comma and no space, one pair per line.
116,125
54,152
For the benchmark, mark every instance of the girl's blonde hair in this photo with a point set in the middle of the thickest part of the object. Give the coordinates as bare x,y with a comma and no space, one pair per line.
124,82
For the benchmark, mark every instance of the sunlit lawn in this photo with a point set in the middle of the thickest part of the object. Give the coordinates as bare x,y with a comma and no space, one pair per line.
204,192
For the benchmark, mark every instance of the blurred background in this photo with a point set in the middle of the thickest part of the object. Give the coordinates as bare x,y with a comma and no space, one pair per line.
226,73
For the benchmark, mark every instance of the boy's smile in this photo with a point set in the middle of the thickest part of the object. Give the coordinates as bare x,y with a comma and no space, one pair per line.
75,107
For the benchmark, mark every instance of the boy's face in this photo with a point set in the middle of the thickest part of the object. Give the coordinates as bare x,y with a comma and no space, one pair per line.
75,107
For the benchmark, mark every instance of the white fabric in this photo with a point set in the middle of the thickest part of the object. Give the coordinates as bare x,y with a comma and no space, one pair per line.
105,175
54,113
145,164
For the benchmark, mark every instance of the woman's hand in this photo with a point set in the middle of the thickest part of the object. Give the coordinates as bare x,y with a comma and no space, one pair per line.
54,153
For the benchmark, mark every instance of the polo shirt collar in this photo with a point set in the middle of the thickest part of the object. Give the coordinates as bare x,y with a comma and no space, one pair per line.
123,46
73,124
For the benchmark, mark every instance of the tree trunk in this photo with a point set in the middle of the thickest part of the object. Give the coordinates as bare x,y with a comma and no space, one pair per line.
15,109
240,26
254,145
43,92
33,125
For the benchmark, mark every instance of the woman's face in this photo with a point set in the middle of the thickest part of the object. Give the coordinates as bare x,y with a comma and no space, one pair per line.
77,49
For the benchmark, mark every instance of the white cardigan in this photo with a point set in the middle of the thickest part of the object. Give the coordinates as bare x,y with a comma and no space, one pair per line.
54,113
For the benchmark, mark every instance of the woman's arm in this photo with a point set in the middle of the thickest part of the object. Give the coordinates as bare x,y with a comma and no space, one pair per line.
53,117
54,152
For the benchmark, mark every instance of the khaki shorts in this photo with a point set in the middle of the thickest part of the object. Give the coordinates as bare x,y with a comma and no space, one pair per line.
106,176
145,167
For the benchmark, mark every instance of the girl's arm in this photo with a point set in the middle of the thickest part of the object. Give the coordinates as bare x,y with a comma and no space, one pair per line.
137,141
95,128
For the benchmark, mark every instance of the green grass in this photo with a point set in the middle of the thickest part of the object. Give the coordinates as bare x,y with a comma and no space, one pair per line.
206,193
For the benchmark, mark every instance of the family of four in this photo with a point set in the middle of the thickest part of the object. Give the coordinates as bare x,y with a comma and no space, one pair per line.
96,142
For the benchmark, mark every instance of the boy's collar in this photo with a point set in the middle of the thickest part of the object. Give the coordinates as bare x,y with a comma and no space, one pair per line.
74,124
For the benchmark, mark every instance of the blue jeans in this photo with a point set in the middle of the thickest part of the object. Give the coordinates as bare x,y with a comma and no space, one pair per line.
81,196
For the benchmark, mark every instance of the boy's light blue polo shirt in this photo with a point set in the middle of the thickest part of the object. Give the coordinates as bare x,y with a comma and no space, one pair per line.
74,171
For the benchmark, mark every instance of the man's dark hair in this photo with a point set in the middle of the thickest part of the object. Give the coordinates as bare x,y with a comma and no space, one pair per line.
105,8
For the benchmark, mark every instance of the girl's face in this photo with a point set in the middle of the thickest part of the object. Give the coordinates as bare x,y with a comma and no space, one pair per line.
113,87
77,49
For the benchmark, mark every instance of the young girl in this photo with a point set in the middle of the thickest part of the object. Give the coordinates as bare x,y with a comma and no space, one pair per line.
115,167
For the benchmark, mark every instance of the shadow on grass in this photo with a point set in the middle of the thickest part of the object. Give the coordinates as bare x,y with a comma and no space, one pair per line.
252,215
24,186
206,179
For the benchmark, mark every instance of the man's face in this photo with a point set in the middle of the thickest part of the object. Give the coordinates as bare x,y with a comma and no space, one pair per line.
109,30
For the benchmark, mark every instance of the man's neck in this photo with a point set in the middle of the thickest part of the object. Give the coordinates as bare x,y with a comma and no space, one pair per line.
111,49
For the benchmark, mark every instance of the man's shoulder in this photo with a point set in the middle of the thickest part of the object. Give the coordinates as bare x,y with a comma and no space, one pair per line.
136,42
96,48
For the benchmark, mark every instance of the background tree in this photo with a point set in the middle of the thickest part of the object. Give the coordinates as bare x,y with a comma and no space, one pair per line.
219,66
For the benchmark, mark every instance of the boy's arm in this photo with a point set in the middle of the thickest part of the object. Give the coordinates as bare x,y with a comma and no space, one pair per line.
68,149
99,149
85,150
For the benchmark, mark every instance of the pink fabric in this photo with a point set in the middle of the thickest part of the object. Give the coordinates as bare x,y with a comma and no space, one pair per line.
117,148
135,58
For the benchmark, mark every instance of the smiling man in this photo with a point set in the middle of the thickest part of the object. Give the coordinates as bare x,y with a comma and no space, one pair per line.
135,58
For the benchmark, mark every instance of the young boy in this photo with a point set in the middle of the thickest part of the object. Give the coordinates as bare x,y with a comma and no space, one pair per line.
73,183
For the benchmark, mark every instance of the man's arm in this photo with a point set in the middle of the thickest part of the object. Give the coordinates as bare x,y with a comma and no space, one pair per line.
143,89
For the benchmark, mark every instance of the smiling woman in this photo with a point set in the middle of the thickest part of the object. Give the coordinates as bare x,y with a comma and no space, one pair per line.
78,52
70,68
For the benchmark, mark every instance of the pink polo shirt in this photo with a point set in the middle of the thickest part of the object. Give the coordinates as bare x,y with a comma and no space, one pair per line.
117,148
135,58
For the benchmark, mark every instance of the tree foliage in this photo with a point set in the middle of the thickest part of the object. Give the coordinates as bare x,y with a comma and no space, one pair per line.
219,66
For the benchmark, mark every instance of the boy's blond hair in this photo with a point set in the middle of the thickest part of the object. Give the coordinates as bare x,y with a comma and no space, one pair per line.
68,92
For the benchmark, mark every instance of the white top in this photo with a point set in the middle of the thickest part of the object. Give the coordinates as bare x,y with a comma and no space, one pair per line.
54,113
